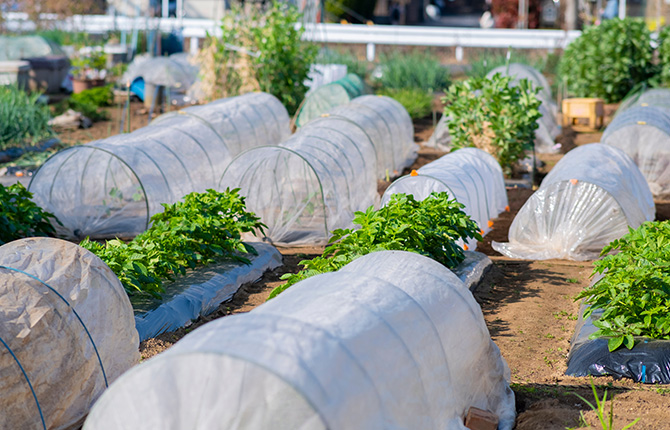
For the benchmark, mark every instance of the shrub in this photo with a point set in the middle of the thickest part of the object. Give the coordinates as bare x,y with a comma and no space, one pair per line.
608,60
20,217
24,120
413,70
634,292
430,227
263,52
664,55
202,228
417,102
89,102
492,115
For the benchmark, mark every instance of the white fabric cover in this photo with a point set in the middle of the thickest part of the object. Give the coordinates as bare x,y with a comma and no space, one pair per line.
310,184
394,340
471,176
548,128
644,134
587,200
656,97
112,187
390,128
48,340
440,139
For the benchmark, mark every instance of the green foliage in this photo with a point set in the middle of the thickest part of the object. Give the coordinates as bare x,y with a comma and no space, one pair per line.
354,65
607,60
201,229
634,293
285,59
412,70
492,115
429,227
20,217
351,10
664,55
606,420
88,102
96,60
417,102
24,120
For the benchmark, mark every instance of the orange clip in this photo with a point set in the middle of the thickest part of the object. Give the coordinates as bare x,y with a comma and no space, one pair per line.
465,246
507,208
573,181
490,223
413,173
481,232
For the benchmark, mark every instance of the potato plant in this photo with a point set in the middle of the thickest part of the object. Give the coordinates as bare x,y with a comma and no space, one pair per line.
634,292
430,227
203,228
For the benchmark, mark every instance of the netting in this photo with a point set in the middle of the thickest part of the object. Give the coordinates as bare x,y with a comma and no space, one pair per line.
440,139
587,200
14,48
548,128
471,176
174,71
644,134
112,187
66,331
311,183
656,97
393,340
328,96
390,128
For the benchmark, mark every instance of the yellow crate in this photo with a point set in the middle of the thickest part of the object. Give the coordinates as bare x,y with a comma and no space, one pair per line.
583,108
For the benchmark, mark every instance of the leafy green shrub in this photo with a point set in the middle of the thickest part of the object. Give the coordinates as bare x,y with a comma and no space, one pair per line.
24,120
199,230
414,70
89,102
492,115
607,60
429,227
634,293
417,102
20,217
664,55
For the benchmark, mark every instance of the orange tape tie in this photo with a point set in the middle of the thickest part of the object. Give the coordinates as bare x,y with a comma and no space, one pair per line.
414,173
573,181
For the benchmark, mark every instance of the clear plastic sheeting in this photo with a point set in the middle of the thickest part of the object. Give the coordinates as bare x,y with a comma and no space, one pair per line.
66,331
390,128
471,176
656,97
112,187
440,139
587,200
174,71
14,48
644,134
548,128
327,97
393,340
310,184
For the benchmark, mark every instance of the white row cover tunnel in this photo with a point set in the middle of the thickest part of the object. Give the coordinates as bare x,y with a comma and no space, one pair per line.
643,132
471,176
548,128
310,184
656,97
113,186
313,183
66,332
394,340
587,200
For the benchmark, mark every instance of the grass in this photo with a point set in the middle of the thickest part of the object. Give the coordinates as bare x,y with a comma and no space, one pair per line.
24,119
416,70
416,101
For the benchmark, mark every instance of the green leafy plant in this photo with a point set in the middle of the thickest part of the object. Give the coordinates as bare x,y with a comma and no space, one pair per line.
24,119
89,102
416,101
416,69
20,217
89,66
430,227
606,419
609,59
493,115
664,55
201,229
634,292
